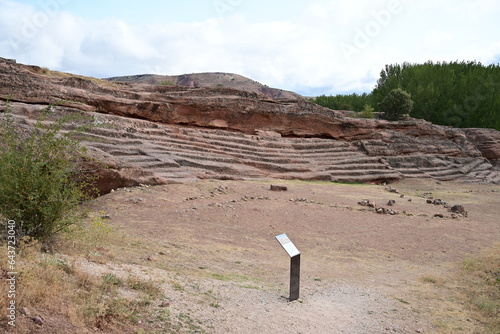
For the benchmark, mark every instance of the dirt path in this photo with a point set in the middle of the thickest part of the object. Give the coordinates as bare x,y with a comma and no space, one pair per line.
213,246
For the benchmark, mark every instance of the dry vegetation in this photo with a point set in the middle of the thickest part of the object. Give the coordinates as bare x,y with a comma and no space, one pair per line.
52,284
46,71
481,287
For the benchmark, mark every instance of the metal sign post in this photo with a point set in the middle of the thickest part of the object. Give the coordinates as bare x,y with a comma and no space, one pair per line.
294,265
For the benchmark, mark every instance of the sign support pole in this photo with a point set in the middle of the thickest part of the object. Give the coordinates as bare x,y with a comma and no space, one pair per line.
294,254
294,277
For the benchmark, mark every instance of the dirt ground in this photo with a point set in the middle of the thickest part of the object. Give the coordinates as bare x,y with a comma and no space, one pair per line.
211,244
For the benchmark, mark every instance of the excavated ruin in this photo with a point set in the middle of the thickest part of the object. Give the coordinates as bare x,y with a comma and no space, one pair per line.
155,134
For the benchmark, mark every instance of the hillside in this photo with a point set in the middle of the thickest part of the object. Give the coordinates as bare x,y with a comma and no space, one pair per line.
228,80
156,134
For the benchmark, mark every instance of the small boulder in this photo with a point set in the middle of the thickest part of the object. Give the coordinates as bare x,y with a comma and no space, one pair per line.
459,209
364,202
278,188
25,311
391,202
39,320
439,202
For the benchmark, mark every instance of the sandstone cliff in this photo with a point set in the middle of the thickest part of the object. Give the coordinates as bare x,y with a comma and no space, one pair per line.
158,133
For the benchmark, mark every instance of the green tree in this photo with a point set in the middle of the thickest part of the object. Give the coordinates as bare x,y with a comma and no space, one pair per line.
353,102
396,104
461,94
39,189
367,112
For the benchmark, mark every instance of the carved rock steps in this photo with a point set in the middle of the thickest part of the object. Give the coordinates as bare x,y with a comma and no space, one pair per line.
183,153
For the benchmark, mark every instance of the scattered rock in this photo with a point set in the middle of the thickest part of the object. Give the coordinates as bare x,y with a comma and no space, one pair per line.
165,303
39,320
381,211
221,190
278,188
364,202
392,190
402,196
25,311
391,202
438,215
137,200
409,200
459,209
436,201
367,203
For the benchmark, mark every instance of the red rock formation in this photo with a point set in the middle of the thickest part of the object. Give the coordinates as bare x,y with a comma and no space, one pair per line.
487,141
172,132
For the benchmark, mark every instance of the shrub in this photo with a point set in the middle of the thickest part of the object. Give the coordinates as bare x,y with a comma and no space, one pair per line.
38,168
167,83
396,104
367,112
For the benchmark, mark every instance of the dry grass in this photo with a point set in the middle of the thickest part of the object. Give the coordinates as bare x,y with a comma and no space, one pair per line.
52,284
46,71
481,287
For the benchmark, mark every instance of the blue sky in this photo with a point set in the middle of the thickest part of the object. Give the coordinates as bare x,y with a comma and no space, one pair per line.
311,47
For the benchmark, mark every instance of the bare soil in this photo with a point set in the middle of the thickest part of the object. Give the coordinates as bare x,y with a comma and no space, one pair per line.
211,244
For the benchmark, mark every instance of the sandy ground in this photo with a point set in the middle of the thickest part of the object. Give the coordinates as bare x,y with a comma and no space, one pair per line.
212,245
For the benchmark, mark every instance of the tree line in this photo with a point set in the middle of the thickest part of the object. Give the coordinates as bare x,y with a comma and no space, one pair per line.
459,94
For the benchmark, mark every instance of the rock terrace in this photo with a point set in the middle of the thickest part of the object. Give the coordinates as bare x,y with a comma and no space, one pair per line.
157,134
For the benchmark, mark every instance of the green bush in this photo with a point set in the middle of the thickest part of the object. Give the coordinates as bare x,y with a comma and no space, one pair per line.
167,83
396,104
38,176
367,112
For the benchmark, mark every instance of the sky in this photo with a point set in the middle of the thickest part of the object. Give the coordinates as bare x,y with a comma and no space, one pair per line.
311,47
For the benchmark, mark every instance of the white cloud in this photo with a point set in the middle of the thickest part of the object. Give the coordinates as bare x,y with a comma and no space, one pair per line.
333,46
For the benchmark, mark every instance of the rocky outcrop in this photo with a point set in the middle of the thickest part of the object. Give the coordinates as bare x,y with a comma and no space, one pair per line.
488,142
217,79
159,133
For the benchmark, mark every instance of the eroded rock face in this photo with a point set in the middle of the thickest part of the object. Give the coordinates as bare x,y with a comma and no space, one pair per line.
488,142
155,134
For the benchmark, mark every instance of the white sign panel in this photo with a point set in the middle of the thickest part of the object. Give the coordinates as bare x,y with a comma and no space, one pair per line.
288,245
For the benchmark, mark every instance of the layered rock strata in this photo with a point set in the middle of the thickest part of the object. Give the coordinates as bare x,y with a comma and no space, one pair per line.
155,134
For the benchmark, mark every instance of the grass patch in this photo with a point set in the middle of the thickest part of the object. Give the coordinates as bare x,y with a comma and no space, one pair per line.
229,277
57,74
246,286
430,279
52,284
481,287
401,300
177,286
62,288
